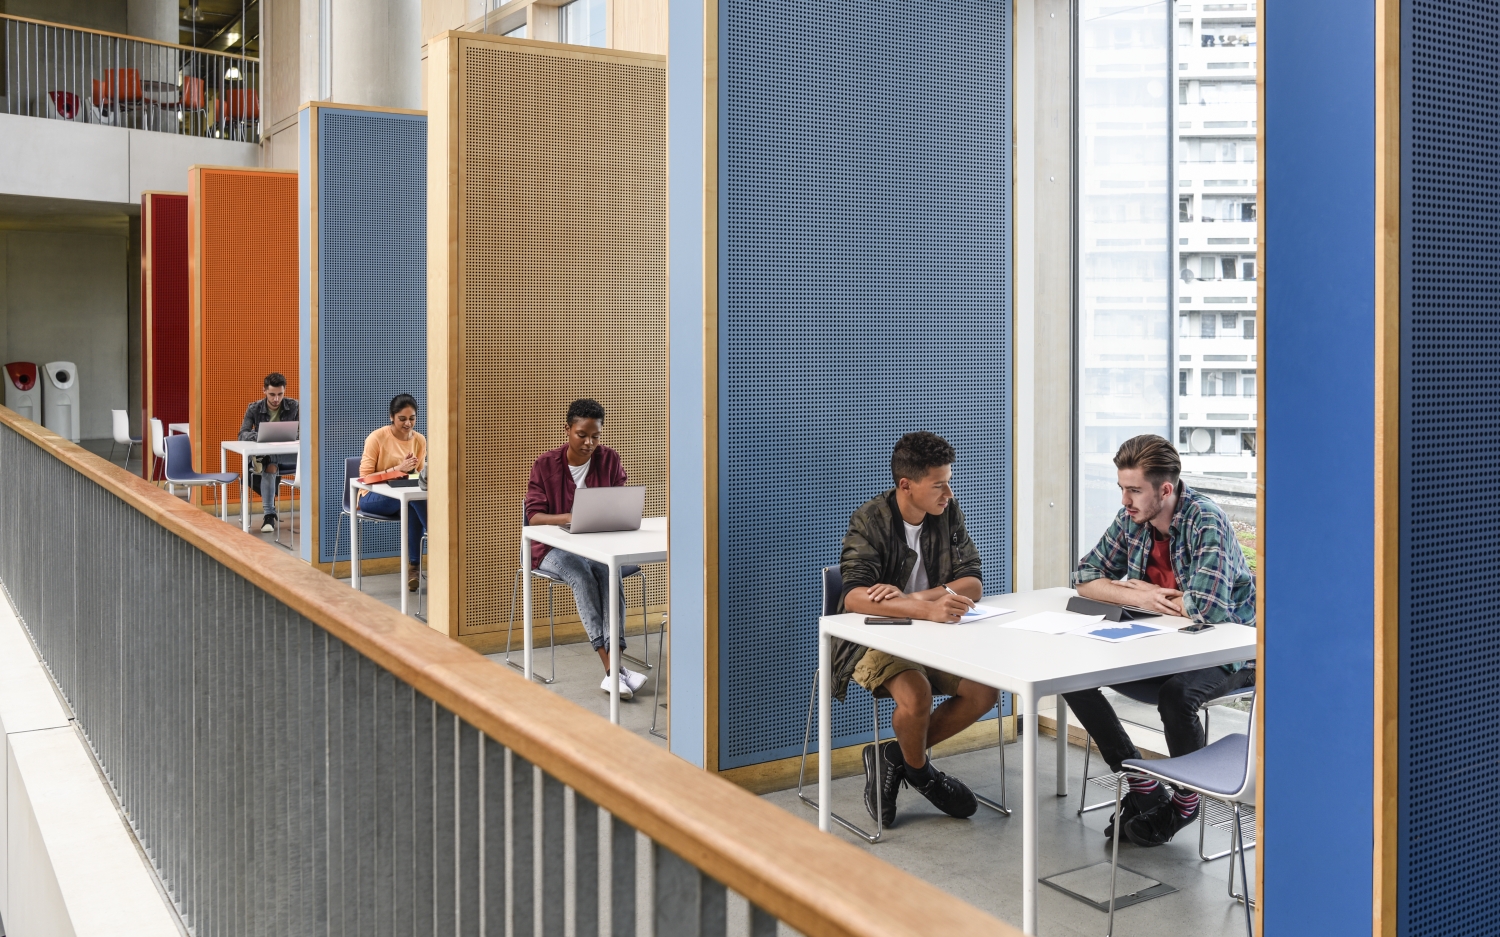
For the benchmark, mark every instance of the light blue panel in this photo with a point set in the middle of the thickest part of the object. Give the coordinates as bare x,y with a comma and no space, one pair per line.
688,660
1450,466
1319,418
304,303
372,296
864,292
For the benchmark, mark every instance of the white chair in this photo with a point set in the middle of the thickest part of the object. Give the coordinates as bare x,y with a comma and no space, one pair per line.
294,483
159,450
122,436
1223,771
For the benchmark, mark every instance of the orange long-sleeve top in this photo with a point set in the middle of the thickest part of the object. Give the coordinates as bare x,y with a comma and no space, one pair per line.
383,451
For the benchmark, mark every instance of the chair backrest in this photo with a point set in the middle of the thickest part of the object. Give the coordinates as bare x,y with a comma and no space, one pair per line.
179,456
192,93
1246,793
351,472
833,589
158,434
121,425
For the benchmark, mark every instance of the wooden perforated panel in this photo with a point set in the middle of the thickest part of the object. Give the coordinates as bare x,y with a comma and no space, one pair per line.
561,266
164,314
243,274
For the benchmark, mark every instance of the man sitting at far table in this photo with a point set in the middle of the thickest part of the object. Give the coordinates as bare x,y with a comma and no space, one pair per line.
907,554
1170,550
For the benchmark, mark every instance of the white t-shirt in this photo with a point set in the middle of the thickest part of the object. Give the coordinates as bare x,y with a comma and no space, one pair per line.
918,580
580,472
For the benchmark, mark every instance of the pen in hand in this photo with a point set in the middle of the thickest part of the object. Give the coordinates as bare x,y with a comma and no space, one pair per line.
957,596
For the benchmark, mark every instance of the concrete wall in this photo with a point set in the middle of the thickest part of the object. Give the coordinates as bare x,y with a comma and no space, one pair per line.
65,295
64,159
69,866
109,15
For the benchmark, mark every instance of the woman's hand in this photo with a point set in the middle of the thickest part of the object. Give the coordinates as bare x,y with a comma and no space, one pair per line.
408,464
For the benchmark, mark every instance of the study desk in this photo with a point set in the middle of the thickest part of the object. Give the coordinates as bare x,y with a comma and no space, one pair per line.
246,449
620,548
182,428
405,494
1029,664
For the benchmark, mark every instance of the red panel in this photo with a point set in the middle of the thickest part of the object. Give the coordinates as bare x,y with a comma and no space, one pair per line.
164,312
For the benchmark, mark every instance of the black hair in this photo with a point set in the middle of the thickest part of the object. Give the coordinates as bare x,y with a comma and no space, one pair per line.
917,453
274,379
585,409
401,402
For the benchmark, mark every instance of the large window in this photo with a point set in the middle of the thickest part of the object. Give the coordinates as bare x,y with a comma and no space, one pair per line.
1126,270
583,23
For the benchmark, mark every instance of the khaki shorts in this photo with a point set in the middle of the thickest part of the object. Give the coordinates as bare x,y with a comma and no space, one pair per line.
877,667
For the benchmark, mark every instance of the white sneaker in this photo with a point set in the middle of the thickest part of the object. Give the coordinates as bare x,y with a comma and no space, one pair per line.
625,690
633,679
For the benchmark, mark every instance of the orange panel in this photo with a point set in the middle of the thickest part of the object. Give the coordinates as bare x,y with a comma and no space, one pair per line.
242,235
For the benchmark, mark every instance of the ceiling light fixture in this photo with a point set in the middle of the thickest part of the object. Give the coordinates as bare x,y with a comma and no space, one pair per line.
232,38
232,73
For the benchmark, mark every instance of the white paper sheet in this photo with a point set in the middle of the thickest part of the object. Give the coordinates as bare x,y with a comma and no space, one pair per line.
1116,631
978,613
1054,622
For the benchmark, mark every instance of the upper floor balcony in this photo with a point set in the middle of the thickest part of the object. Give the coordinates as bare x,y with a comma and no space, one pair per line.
89,76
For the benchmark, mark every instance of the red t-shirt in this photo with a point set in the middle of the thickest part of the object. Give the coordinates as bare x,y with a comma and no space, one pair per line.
1159,562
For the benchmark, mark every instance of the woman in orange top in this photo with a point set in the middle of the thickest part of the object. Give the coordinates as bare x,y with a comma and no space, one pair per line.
398,446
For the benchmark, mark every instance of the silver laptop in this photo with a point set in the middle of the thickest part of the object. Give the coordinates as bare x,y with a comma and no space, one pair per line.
601,510
283,431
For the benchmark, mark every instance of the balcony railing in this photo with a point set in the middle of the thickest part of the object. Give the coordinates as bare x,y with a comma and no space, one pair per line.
88,76
298,758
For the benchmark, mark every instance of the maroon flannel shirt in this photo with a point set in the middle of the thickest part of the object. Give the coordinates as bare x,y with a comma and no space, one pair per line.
551,488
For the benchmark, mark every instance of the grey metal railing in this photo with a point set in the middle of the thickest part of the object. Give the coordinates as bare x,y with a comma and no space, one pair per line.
89,76
297,758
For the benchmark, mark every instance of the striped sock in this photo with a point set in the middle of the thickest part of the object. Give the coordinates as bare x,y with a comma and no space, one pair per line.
1185,803
1143,785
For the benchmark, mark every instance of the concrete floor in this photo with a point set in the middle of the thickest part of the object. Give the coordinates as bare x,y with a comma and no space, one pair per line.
977,860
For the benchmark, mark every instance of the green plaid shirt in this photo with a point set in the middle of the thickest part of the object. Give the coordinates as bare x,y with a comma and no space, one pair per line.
1215,580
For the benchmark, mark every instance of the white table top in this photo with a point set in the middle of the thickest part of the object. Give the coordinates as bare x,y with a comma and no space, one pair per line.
647,545
1034,664
179,427
250,447
404,493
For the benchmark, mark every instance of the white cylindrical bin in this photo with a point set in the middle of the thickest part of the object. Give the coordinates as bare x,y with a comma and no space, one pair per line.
60,401
23,393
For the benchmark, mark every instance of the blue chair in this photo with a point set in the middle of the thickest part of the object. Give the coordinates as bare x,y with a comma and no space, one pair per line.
179,470
1148,693
1223,771
833,590
351,472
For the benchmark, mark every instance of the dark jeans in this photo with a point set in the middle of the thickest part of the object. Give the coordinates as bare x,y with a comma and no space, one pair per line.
416,520
1178,699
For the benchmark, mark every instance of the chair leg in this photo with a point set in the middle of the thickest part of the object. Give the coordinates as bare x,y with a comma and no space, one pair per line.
645,635
515,586
661,681
551,633
1114,862
1238,846
999,805
812,701
338,531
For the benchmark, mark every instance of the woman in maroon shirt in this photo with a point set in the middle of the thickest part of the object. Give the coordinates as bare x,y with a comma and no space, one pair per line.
555,476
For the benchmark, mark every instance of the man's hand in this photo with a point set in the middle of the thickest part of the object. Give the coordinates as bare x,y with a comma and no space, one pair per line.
949,608
882,592
1150,596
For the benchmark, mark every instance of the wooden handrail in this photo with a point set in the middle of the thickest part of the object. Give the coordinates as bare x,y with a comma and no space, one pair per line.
815,882
110,35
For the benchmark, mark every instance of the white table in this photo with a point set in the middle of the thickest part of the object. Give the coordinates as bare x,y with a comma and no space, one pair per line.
246,449
621,548
180,428
405,494
1031,665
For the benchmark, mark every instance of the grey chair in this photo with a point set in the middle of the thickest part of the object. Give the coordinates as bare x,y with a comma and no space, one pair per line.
1223,771
833,590
294,483
351,472
422,580
626,572
662,689
179,470
1145,692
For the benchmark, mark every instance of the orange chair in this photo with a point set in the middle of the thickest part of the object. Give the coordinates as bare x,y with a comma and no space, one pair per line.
237,104
192,94
123,85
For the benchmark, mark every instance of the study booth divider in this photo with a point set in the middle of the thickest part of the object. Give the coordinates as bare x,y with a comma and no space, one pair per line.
242,262
362,218
164,315
547,282
840,276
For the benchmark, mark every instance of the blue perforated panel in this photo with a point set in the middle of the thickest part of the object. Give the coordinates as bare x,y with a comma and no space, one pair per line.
372,296
864,293
1450,640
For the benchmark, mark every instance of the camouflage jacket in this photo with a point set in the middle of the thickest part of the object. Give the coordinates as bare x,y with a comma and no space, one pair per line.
875,552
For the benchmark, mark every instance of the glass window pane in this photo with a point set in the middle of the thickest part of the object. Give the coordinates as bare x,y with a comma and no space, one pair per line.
583,22
1127,263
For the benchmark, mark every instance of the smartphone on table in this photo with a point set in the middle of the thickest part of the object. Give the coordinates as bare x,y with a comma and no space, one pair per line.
874,620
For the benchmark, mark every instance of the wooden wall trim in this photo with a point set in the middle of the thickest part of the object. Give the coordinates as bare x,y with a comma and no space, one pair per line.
816,883
1387,463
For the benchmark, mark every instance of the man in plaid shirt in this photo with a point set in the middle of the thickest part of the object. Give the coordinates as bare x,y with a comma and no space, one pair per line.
1170,550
